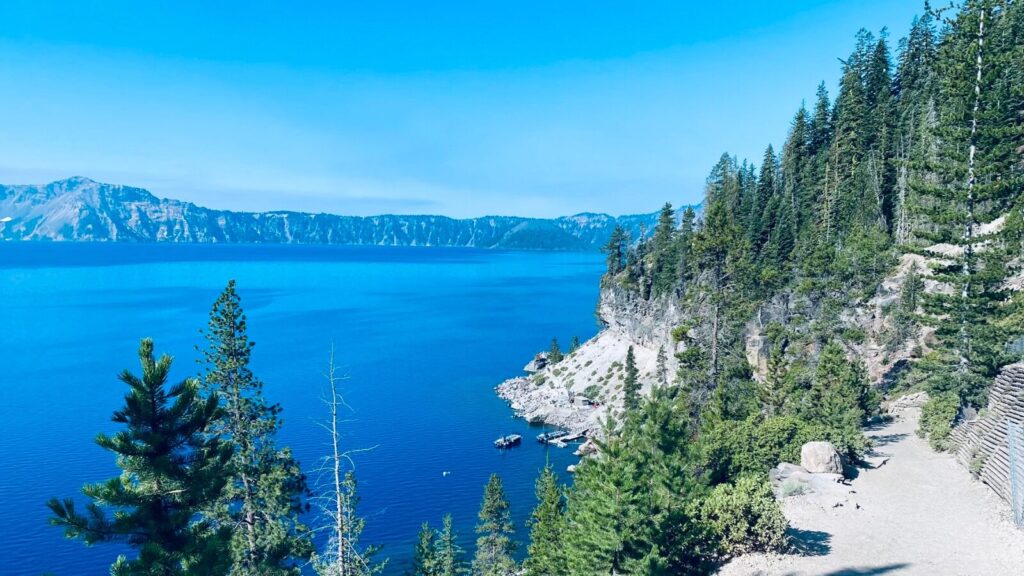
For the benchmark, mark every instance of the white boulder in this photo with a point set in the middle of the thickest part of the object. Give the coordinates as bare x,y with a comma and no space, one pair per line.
820,458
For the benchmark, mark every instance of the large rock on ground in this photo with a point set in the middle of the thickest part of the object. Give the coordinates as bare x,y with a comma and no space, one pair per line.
820,458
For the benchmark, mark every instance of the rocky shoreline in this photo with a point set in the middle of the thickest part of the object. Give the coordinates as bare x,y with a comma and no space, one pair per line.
539,404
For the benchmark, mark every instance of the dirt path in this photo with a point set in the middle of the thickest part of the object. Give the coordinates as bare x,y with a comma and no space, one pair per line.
918,513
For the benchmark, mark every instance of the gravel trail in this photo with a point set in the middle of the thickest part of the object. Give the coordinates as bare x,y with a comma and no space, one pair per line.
918,513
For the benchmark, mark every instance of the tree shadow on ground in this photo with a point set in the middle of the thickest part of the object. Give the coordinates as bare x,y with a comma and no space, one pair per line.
878,424
869,571
809,542
885,439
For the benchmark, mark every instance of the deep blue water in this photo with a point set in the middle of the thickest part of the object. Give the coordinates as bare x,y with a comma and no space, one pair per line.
424,335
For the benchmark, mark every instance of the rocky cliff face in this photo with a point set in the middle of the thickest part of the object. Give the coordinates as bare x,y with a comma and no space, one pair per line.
79,209
581,390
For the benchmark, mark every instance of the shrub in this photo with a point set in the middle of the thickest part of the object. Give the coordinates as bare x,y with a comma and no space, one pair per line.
937,417
977,463
744,516
791,488
752,446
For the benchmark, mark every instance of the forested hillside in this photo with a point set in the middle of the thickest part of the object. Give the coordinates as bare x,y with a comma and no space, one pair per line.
887,226
904,184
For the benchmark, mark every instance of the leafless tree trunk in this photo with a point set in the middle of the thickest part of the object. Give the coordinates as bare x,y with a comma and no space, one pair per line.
343,556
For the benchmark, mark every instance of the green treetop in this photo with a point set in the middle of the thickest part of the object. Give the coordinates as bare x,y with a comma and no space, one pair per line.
264,498
546,557
494,545
171,471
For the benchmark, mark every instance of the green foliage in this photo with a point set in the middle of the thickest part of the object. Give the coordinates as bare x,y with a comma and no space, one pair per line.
664,253
448,554
494,544
744,516
632,510
424,556
616,249
574,344
265,496
171,471
730,449
840,397
631,384
547,527
937,418
905,316
555,352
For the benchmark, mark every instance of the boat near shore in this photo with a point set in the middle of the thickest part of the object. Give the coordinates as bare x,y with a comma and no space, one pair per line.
549,437
508,441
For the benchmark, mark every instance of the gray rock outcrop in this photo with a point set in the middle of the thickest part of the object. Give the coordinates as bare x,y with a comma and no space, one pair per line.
820,458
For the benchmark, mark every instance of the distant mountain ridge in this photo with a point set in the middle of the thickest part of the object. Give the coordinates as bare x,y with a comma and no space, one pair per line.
80,209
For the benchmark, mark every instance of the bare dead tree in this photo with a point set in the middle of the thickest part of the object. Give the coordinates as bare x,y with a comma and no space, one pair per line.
343,555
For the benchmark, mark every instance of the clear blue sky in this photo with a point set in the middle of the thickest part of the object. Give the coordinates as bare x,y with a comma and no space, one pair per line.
532,108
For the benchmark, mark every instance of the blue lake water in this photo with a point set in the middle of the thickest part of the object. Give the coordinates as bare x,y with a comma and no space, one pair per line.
424,335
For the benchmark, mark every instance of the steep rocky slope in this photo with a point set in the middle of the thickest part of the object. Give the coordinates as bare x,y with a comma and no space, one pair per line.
596,371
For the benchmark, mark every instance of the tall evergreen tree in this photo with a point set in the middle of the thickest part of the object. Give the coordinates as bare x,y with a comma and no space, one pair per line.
977,180
916,118
684,239
448,553
840,396
765,215
265,497
615,250
546,556
424,557
494,546
171,471
555,352
661,366
631,382
665,273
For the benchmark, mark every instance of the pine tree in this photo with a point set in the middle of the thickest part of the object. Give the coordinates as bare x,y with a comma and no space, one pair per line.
773,389
665,273
905,317
630,510
265,497
661,366
765,216
546,556
684,239
722,256
494,546
170,472
555,353
916,118
631,383
448,553
840,396
615,249
424,558
797,192
976,182
574,344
